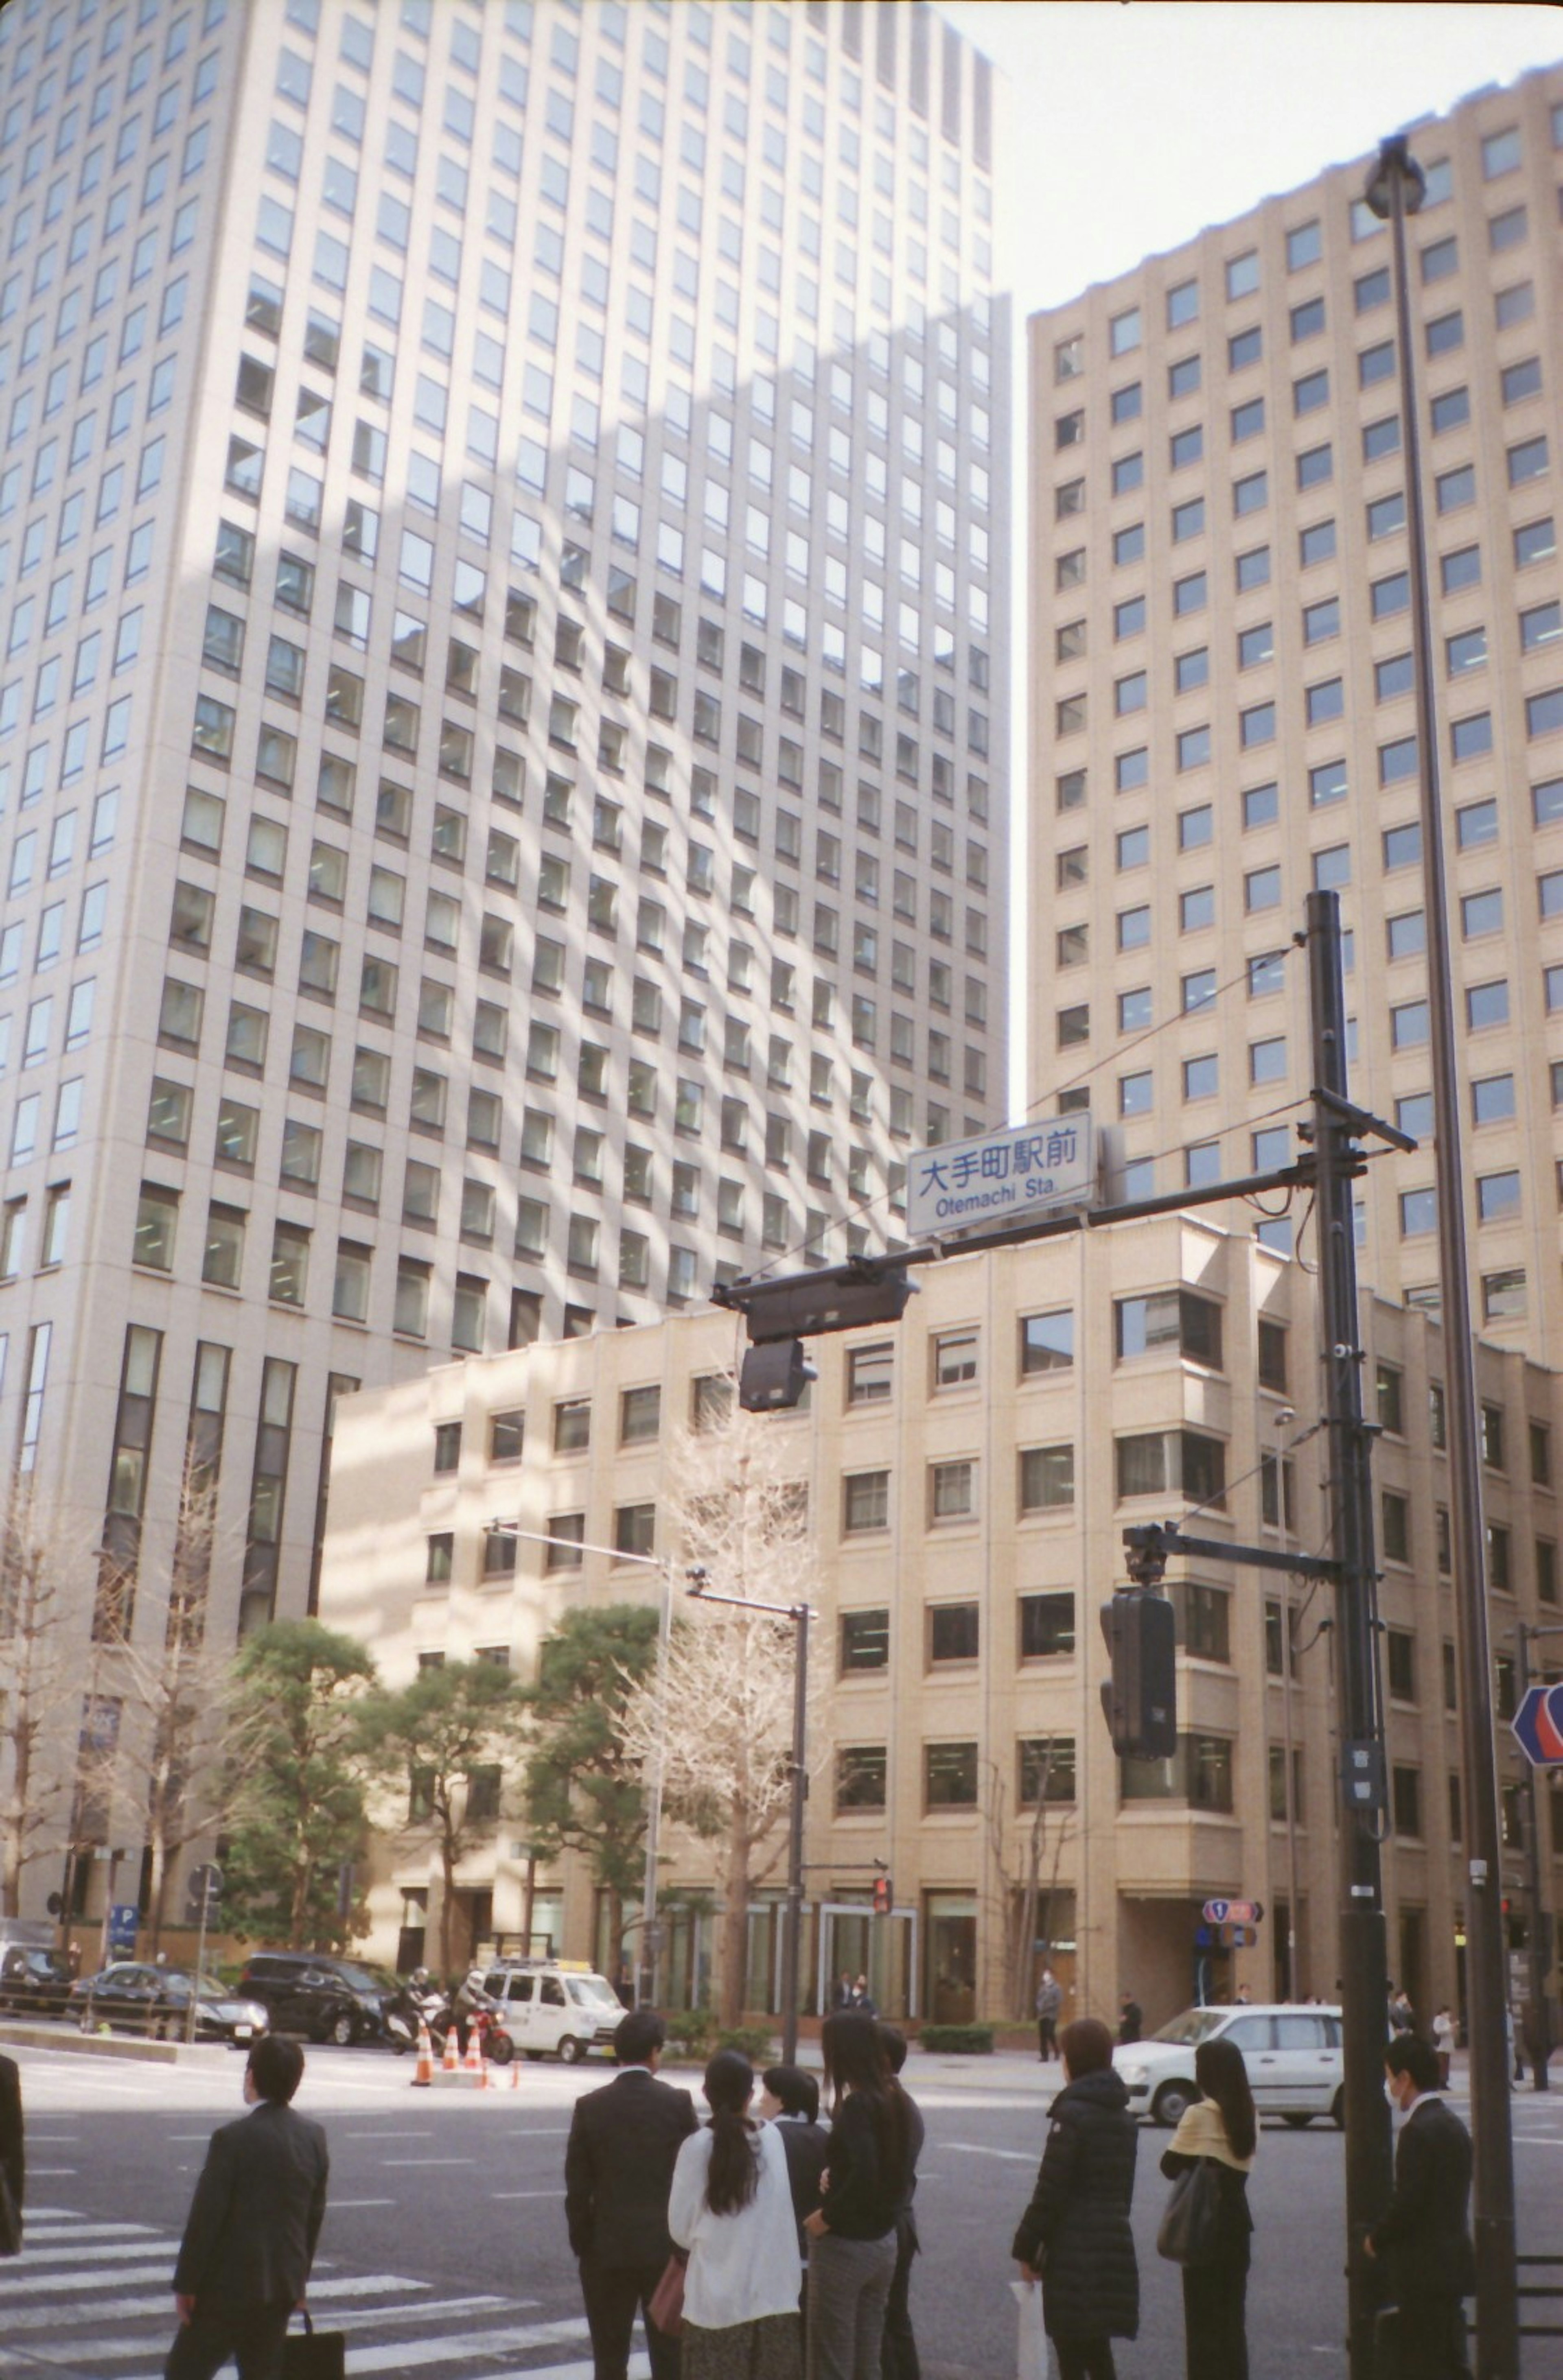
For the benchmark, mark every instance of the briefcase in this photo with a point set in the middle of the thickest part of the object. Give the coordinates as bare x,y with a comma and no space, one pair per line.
318,2355
1387,2364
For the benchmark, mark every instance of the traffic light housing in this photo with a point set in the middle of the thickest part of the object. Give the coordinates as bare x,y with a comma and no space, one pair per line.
1140,1696
773,1378
884,1896
833,1297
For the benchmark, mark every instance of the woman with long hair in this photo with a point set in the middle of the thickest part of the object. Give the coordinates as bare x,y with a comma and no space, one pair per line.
731,2208
1075,2235
865,2184
1222,2128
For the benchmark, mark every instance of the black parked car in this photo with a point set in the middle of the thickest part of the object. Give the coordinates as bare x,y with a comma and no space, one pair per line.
32,1982
133,1996
325,1999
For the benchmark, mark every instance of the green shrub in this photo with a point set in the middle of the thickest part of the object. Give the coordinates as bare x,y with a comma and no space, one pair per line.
690,2031
752,2041
968,2040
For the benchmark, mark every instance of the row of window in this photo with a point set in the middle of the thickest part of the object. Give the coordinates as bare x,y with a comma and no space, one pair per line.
1501,154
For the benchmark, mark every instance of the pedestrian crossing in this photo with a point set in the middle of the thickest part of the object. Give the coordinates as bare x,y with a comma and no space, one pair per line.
91,2300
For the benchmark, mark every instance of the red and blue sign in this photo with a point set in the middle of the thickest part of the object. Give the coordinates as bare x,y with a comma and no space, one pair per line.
1538,1726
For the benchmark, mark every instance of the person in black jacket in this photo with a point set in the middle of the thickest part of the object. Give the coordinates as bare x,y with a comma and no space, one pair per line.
790,2099
13,2159
1075,2235
867,2182
624,2142
250,2238
1423,2234
898,2359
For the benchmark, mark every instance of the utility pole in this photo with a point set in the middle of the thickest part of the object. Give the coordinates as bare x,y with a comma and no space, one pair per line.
1363,1781
1541,1923
1284,1420
1395,190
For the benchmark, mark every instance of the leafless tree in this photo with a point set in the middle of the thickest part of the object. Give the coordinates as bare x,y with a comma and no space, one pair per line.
721,1721
1018,1875
41,1680
168,1758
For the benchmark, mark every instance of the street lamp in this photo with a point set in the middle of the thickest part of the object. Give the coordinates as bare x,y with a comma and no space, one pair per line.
650,1931
1395,190
792,1947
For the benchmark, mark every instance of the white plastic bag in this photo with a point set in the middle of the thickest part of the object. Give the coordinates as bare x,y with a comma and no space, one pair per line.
1030,2361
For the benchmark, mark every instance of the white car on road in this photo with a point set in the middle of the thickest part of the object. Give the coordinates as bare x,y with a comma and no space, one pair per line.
1292,2056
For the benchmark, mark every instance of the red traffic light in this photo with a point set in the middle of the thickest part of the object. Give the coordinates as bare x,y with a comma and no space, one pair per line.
884,1897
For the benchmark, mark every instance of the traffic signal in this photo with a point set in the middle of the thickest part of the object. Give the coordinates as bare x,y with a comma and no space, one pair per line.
773,1378
834,1297
884,1896
1140,1698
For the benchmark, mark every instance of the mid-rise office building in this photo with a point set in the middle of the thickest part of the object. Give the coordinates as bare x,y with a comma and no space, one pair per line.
502,711
967,1476
1222,633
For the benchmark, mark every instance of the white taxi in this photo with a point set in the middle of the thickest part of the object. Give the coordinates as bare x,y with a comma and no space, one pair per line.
1292,2056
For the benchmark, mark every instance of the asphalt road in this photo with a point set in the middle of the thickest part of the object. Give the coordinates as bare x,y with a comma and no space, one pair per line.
443,2254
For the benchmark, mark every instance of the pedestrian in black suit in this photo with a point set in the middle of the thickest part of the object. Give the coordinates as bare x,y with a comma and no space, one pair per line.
13,2161
250,2238
1423,2234
618,2170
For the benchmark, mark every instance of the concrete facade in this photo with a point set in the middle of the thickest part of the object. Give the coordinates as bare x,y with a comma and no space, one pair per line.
1220,644
503,768
967,1477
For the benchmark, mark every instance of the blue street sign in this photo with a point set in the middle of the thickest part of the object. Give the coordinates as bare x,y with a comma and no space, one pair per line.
1538,1726
123,1920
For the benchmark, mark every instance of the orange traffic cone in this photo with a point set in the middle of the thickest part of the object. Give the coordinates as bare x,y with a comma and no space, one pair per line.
475,2050
423,2079
452,2062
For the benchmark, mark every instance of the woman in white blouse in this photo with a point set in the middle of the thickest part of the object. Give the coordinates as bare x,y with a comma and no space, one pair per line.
731,2208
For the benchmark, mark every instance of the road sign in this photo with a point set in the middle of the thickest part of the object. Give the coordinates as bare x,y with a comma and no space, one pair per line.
1538,1726
203,1889
123,1920
1035,1169
1233,1913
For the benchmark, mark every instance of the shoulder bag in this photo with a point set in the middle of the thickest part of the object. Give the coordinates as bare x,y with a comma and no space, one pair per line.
1191,2224
318,2355
665,2304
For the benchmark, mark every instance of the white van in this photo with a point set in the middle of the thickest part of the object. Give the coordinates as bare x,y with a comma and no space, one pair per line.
555,2008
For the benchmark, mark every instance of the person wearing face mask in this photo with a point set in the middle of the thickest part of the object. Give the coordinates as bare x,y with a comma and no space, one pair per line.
250,2238
1424,2235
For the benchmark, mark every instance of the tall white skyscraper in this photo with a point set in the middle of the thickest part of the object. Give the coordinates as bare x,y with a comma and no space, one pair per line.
502,700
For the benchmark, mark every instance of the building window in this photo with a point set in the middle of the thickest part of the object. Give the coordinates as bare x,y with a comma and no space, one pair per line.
1047,1625
1047,1342
860,1778
1046,1478
865,1501
1174,1319
949,1776
953,1631
865,1640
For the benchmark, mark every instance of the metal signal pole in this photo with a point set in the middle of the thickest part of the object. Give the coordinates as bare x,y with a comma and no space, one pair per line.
1364,1958
1395,190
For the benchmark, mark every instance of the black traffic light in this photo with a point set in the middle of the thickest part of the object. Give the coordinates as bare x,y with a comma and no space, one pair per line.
1141,1697
834,1297
773,1378
884,1896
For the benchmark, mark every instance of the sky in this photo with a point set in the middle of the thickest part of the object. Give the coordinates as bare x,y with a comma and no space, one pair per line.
1129,125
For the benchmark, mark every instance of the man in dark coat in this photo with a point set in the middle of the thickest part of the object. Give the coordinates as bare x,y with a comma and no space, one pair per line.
1423,2234
623,2145
13,2159
249,2240
1075,2235
1131,2017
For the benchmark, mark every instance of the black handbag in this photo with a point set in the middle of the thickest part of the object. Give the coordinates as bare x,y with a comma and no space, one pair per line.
10,2220
1191,2222
318,2355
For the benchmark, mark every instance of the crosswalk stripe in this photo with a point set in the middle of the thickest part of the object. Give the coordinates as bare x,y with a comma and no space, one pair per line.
96,2251
400,2355
128,2232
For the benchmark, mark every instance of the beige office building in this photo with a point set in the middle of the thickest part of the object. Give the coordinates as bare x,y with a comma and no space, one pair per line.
503,684
1221,639
968,1475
